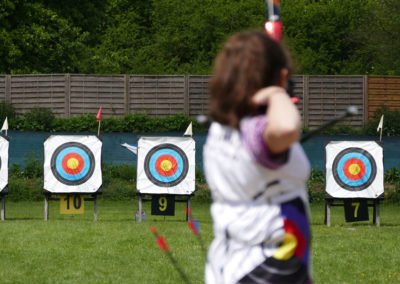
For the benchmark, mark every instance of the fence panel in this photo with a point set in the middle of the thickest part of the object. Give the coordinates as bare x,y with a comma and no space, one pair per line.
329,97
198,94
383,91
158,96
89,92
30,91
2,87
321,97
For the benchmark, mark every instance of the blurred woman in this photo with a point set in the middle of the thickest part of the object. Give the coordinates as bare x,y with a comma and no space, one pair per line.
255,168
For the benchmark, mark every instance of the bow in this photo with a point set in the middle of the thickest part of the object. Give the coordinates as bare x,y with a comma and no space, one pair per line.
273,26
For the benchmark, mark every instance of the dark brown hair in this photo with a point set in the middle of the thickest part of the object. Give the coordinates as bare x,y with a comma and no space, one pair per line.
248,62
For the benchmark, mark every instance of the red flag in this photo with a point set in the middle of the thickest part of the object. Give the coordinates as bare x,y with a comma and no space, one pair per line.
98,116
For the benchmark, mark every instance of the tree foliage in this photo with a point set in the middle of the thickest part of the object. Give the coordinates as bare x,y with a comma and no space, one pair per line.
184,36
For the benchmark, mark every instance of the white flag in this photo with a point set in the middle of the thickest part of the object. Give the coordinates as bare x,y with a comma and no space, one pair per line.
380,125
130,147
5,125
189,130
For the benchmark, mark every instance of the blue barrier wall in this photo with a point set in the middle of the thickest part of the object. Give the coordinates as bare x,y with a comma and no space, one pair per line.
23,144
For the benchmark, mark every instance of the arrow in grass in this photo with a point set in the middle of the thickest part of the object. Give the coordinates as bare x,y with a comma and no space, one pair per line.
162,243
194,226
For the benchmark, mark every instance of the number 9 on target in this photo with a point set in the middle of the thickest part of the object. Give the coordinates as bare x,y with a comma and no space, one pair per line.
72,204
163,205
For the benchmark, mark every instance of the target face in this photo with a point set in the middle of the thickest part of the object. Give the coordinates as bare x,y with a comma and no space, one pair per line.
166,165
354,169
72,163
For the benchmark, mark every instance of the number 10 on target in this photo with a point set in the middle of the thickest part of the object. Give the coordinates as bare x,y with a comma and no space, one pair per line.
72,204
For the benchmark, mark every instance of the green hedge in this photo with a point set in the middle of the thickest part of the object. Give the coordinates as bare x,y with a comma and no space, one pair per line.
42,119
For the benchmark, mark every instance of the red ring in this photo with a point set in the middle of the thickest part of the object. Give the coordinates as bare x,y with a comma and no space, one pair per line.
173,168
350,162
68,170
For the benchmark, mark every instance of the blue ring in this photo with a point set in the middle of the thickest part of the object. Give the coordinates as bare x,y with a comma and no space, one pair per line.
370,169
152,165
342,175
86,166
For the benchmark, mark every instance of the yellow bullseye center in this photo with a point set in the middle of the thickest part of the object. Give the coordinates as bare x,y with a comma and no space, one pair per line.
166,165
73,163
354,169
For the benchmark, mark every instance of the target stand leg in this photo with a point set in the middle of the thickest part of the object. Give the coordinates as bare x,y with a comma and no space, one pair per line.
3,208
376,217
189,209
95,207
328,213
140,208
46,207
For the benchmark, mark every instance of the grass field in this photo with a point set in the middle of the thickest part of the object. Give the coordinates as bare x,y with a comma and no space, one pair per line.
116,249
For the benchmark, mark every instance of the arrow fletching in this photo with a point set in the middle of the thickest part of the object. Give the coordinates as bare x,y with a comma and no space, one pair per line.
194,226
153,230
162,243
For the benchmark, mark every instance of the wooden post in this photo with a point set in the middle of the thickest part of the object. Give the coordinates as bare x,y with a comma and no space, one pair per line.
3,207
67,95
186,96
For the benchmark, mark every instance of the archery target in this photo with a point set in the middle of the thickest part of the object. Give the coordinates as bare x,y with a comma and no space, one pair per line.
354,169
166,165
72,164
4,148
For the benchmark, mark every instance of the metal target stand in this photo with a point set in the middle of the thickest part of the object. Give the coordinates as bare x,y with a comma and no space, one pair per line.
47,198
63,142
142,198
156,187
364,202
332,202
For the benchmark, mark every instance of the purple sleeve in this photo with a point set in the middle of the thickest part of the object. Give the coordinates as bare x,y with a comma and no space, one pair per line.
252,131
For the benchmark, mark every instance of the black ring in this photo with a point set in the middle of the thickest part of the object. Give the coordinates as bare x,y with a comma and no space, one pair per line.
174,148
352,150
54,168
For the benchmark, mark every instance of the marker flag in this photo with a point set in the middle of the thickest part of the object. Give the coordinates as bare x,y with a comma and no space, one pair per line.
5,125
380,125
189,131
130,147
98,116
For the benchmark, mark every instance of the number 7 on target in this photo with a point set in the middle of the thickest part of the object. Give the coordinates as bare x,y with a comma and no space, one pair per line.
72,204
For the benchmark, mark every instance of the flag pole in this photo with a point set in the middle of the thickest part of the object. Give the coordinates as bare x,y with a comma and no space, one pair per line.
98,129
98,117
380,127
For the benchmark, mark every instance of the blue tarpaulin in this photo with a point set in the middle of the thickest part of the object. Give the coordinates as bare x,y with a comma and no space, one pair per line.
24,144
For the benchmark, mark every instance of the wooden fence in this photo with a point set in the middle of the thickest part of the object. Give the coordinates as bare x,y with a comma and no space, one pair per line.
67,95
